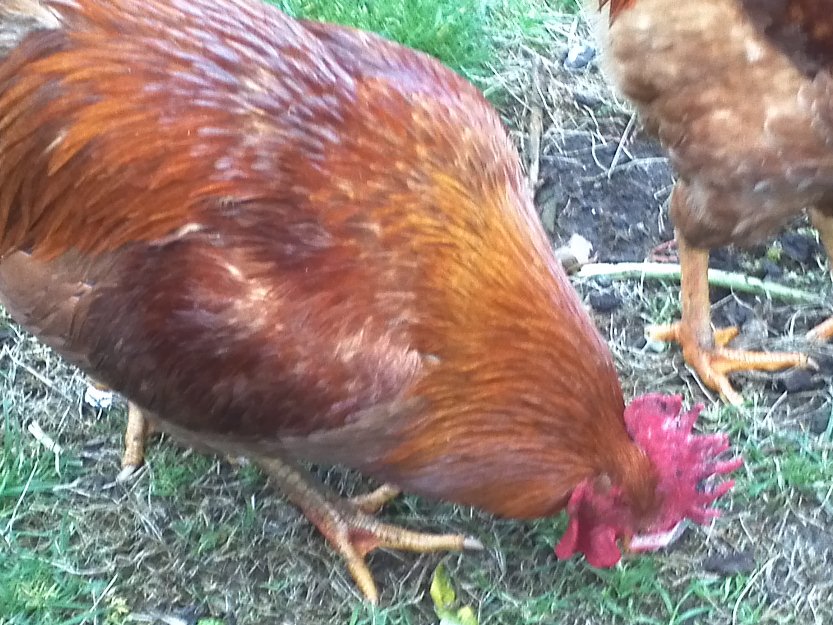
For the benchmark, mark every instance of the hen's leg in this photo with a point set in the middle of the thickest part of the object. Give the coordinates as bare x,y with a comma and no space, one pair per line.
824,224
705,349
352,532
139,427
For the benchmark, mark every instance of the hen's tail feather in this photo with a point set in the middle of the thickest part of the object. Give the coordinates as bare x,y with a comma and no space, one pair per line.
20,17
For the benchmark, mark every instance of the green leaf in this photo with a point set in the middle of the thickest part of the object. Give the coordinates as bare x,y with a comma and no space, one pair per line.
442,593
466,616
444,597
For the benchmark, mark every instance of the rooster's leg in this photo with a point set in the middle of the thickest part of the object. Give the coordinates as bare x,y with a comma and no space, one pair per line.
139,427
705,349
350,531
824,224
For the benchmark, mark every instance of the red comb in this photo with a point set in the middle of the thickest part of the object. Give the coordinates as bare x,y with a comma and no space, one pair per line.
686,465
683,460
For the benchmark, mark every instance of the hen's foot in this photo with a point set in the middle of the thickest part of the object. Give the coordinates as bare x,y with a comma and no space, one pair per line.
822,332
139,427
352,532
714,364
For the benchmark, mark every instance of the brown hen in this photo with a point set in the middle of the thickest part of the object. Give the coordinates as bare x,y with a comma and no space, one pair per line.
740,93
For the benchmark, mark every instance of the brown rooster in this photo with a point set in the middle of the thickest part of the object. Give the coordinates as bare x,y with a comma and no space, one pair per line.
740,92
294,241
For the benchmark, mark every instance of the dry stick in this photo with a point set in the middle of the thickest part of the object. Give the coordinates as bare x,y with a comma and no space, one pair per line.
725,279
536,127
620,147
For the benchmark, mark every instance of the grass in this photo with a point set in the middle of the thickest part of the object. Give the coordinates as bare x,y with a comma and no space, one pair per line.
195,539
43,574
456,33
195,535
466,35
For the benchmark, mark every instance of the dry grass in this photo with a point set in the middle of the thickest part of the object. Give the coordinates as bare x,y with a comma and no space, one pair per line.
194,540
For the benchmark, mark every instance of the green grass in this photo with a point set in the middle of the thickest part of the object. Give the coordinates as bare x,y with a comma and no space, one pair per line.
41,574
456,33
795,462
466,35
169,475
192,531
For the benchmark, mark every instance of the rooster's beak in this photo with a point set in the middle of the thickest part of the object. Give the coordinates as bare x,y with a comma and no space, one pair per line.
652,542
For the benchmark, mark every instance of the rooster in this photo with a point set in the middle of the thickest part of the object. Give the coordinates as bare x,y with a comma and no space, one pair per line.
740,93
292,241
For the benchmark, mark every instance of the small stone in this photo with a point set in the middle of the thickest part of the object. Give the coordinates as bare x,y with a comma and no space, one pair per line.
192,614
98,398
770,270
548,216
656,346
824,363
735,563
604,301
733,314
582,248
818,421
796,247
587,100
578,57
797,381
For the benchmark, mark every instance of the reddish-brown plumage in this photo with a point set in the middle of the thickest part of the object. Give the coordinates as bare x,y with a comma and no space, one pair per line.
297,239
802,29
283,239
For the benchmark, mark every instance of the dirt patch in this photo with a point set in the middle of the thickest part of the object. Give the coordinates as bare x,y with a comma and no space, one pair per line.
612,185
621,210
603,177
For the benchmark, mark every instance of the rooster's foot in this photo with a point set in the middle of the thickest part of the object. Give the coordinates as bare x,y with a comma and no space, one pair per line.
350,529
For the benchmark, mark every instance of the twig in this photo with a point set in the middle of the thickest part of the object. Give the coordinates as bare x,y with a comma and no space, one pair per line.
568,259
620,147
536,126
47,441
726,279
43,438
40,378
